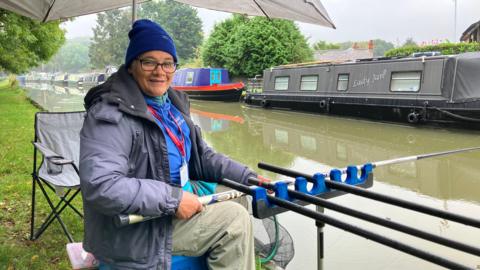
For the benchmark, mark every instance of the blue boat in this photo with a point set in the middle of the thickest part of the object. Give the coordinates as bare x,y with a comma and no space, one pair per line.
207,84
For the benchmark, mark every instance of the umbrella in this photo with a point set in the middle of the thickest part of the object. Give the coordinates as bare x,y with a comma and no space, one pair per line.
309,11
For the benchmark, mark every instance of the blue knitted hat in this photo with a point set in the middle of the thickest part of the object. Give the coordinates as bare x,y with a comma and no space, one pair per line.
148,36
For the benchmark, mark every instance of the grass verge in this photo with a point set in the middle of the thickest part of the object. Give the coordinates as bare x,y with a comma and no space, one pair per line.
16,163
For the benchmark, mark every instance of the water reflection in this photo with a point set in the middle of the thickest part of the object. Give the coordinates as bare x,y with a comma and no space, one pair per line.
56,98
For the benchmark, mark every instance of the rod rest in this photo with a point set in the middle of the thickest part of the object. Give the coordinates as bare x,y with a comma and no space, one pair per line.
262,208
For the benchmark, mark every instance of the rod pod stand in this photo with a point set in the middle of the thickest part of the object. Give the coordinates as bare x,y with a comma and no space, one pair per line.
262,208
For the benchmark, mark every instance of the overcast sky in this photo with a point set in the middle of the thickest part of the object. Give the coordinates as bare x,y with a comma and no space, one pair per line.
425,21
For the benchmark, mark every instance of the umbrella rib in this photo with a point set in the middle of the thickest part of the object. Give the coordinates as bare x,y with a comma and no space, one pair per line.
48,12
263,11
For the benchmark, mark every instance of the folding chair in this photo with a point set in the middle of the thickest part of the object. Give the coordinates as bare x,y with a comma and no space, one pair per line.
57,139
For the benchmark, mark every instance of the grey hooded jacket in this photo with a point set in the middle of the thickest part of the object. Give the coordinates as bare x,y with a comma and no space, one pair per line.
124,170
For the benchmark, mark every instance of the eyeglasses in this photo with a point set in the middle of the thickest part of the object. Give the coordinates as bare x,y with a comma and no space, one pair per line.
150,65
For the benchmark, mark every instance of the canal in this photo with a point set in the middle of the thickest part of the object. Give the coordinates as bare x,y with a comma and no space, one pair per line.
316,143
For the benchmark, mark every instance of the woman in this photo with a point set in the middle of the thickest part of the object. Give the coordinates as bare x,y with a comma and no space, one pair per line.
139,153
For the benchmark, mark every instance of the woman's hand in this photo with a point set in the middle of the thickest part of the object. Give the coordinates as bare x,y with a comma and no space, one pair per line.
189,206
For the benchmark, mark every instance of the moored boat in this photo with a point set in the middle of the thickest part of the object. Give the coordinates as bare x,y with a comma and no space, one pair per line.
436,89
207,84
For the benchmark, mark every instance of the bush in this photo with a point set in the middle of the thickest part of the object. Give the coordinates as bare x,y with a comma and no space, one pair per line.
444,48
12,81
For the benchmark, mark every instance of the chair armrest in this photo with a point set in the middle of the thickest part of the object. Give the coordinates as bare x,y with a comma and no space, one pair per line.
50,155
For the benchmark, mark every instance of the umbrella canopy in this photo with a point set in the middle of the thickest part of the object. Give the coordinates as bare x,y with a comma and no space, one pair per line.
47,10
309,11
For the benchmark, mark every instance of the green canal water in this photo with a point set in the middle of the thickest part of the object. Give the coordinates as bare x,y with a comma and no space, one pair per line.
317,143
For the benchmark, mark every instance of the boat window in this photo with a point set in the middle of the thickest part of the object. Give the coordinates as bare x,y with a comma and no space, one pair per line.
189,79
342,82
309,83
408,81
281,83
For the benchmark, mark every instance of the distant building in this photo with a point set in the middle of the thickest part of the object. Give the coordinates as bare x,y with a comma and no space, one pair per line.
472,34
349,54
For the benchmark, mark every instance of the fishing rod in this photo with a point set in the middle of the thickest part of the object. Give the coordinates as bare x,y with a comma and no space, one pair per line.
361,215
350,228
123,220
337,184
127,219
418,157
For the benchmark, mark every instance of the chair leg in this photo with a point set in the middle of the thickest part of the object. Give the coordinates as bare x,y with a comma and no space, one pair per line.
32,219
62,199
56,216
66,203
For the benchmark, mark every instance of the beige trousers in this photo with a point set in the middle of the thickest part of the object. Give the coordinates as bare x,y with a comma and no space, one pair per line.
223,231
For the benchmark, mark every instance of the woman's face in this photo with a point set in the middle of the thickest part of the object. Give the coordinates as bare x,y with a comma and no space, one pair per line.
156,82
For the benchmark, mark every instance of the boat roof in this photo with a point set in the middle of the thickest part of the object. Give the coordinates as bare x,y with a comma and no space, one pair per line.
359,61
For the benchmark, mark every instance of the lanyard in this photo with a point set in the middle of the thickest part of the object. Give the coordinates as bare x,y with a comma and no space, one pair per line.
179,144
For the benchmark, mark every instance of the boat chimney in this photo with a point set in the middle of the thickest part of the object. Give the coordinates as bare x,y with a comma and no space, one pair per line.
370,45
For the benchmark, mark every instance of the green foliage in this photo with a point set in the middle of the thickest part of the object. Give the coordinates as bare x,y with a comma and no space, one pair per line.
381,46
444,48
409,43
25,43
110,39
72,57
323,45
180,21
247,46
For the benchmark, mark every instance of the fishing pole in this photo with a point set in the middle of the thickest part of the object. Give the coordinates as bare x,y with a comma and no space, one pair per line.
418,157
361,215
123,220
350,228
383,198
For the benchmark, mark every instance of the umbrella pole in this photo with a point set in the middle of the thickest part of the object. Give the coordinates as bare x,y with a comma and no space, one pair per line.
134,11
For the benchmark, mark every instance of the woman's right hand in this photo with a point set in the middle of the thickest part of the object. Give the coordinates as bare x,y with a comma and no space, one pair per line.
189,206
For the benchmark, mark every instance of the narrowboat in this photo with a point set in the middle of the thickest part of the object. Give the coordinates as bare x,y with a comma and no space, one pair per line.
207,84
416,90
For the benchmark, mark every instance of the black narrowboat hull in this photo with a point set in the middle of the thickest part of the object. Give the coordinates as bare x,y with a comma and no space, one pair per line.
441,112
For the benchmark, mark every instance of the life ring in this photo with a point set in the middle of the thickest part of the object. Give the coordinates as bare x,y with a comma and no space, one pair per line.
413,117
264,103
322,104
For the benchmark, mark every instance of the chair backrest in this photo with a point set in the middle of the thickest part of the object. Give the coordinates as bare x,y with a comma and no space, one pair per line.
60,133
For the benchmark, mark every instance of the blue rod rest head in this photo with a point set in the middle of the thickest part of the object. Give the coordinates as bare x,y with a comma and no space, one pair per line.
366,170
336,175
352,175
318,184
260,194
301,184
281,190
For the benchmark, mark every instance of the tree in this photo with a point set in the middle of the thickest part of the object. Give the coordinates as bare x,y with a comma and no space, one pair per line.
25,43
381,46
409,42
247,46
180,21
72,57
323,45
110,38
